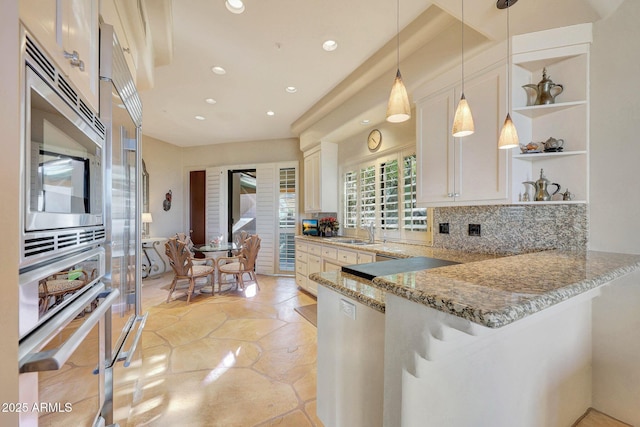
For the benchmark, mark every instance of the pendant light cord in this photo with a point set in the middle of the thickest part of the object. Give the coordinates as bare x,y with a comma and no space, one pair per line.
462,44
398,33
508,62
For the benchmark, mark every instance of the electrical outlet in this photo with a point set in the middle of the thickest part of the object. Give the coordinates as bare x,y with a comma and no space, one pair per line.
474,229
444,228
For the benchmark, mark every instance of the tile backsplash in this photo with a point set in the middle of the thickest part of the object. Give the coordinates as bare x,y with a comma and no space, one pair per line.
511,229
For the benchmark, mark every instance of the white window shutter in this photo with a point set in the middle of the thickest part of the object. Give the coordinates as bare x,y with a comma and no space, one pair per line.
215,209
266,216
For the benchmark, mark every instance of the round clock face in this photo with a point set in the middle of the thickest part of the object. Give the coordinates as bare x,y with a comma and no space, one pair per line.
374,139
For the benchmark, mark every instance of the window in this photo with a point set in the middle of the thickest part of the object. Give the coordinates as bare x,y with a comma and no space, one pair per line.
287,220
350,200
384,192
367,195
415,219
389,195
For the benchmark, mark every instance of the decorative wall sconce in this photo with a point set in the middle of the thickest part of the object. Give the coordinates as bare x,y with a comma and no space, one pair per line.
166,204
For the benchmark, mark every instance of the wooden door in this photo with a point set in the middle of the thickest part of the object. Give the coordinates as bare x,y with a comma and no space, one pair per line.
197,202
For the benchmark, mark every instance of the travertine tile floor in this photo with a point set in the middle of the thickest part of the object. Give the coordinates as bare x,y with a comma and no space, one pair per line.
227,360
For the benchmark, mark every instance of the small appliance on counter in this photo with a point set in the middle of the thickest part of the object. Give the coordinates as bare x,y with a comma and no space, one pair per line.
310,227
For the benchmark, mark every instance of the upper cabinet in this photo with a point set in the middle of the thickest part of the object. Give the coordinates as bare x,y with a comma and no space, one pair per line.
68,31
321,178
469,170
563,54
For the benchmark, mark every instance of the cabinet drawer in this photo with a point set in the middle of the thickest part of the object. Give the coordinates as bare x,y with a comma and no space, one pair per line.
301,268
314,264
312,287
365,257
301,256
329,266
315,250
301,247
347,257
329,252
301,281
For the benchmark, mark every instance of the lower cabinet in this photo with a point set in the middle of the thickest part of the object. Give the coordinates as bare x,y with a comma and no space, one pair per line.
315,258
350,383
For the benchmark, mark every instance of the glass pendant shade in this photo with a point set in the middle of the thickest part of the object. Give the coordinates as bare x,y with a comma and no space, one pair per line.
508,134
398,109
463,120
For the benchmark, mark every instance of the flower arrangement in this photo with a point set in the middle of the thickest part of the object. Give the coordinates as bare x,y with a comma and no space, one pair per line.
328,225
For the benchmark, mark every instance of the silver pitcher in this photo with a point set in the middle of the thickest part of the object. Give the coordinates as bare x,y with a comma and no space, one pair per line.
544,92
541,194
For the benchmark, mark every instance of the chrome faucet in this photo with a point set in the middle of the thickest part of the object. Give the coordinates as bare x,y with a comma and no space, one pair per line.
371,229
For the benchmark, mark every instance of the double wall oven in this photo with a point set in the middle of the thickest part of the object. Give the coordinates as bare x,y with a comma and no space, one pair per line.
79,304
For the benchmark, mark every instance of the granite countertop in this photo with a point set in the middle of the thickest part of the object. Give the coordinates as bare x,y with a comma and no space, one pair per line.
362,290
495,291
403,250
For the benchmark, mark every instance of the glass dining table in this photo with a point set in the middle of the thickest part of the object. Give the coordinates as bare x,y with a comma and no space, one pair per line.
215,251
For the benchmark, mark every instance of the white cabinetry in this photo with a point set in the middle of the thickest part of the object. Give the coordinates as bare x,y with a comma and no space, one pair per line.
321,178
315,258
470,169
564,53
68,31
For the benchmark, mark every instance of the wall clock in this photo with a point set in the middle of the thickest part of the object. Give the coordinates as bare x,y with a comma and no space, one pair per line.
374,139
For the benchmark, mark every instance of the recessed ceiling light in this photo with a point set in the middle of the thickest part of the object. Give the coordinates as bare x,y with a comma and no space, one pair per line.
234,6
199,117
270,113
330,45
218,70
210,101
291,89
365,122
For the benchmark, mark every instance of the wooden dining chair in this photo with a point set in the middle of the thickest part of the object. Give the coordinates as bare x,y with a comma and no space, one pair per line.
242,266
182,264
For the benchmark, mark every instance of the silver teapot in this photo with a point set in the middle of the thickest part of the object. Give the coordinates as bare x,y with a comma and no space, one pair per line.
544,92
541,194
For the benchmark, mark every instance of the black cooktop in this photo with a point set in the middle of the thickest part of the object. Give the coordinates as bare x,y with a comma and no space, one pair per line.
394,266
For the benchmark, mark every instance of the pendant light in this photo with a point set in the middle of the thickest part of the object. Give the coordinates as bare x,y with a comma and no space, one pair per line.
463,120
398,109
508,134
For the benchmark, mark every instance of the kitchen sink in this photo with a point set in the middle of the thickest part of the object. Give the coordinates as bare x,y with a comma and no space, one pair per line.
354,241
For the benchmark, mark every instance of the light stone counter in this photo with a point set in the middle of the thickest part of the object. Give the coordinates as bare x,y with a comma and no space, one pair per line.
403,250
494,292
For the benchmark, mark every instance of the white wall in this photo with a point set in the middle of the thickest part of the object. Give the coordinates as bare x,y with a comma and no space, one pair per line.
169,166
164,165
394,136
615,132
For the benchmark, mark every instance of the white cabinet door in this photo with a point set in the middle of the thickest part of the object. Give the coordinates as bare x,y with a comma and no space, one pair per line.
469,169
80,34
435,147
321,178
67,26
482,166
312,182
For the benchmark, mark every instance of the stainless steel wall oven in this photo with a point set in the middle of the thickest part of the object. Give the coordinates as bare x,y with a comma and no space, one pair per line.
63,168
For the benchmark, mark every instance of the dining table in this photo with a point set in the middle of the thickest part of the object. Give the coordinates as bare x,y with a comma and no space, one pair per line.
215,251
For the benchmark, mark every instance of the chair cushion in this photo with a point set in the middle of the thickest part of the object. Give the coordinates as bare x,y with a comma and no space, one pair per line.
202,269
61,285
232,267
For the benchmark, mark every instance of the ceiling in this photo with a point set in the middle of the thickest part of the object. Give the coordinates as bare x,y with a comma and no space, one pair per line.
278,43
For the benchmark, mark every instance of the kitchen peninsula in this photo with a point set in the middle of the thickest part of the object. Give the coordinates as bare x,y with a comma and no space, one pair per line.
529,340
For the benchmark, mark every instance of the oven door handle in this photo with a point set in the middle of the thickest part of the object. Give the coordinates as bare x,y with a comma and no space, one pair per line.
51,360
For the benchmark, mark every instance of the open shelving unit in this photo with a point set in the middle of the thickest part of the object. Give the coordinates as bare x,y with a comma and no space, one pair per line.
564,53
